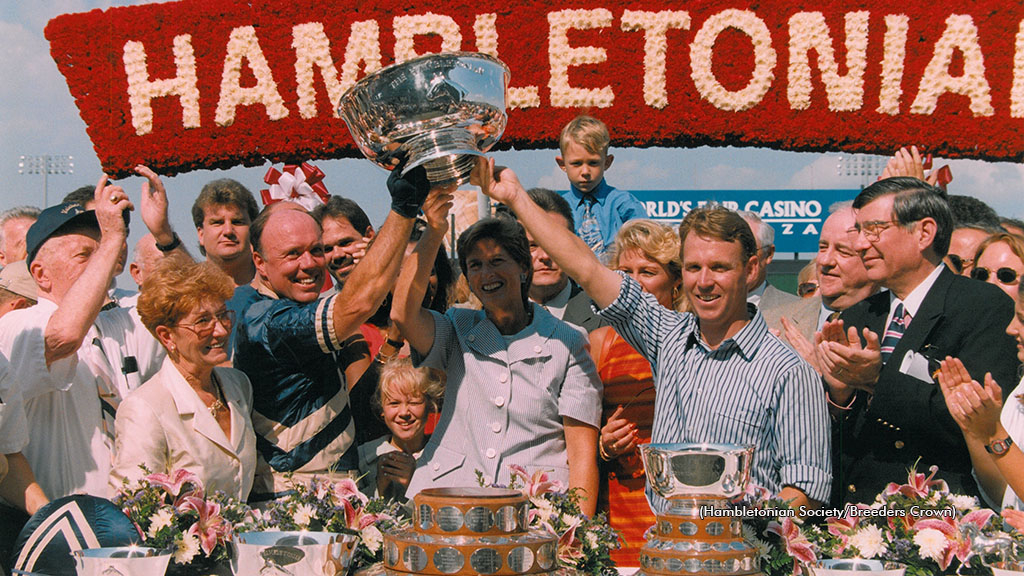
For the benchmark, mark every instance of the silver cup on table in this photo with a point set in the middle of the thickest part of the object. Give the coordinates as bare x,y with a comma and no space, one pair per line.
438,110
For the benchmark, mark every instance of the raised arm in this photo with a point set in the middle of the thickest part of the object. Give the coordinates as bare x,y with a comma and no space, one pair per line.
564,247
154,207
407,311
375,274
79,306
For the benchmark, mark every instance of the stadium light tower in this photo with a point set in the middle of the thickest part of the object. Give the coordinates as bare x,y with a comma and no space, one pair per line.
46,164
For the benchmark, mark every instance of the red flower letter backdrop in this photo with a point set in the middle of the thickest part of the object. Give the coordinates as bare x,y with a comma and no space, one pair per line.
214,83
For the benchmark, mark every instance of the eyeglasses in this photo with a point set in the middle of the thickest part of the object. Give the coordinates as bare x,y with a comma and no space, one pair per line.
1003,275
205,326
872,229
959,262
807,288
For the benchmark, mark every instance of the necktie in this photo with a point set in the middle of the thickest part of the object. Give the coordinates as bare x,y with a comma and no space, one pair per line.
898,324
590,230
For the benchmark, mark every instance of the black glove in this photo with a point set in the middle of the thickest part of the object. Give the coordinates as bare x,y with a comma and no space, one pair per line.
408,192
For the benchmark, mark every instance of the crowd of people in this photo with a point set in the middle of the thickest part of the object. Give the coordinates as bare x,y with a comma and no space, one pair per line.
566,331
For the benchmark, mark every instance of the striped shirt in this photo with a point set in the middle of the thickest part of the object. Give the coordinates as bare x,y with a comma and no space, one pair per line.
752,390
301,410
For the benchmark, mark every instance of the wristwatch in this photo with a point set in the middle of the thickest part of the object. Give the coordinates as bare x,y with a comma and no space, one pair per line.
999,447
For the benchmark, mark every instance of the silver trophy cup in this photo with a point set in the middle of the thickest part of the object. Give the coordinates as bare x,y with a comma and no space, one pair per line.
291,553
438,110
688,470
121,561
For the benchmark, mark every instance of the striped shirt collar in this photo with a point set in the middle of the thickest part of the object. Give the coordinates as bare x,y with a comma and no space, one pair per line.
747,340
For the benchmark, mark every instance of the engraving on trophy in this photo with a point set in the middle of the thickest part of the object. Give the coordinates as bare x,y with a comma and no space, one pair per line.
692,565
665,528
702,546
715,528
479,519
712,565
688,528
721,546
449,560
506,519
414,559
736,527
740,545
426,517
520,559
449,518
657,564
485,560
275,558
546,556
391,556
674,565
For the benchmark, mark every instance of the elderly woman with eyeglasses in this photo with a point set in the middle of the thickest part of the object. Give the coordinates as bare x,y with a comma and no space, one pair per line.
193,414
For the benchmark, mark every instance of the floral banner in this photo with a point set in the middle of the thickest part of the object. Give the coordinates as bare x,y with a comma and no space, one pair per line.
205,83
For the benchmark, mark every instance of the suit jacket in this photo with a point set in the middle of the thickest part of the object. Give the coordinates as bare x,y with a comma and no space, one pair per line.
165,426
578,311
773,297
803,312
906,419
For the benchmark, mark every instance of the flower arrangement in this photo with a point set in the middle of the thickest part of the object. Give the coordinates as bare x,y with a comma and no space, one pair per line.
339,507
920,524
584,543
173,512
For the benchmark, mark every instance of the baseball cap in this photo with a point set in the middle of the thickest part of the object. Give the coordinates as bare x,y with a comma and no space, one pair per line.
50,222
15,278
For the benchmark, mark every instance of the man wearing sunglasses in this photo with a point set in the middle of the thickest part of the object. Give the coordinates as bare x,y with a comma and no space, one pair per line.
963,244
879,356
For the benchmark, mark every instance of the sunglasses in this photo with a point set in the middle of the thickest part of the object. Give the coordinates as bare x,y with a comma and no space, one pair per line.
1003,275
806,288
958,262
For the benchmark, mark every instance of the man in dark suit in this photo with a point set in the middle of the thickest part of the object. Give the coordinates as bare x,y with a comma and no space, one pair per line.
889,412
551,286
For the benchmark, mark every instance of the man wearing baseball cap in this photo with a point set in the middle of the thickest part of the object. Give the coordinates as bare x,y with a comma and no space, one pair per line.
72,362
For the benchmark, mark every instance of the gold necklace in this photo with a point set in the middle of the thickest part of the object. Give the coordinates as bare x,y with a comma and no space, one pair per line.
218,403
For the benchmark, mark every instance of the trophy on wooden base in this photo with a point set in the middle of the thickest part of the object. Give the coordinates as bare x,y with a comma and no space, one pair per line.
698,534
470,531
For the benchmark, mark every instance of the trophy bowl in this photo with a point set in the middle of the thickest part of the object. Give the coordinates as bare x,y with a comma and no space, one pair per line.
688,470
121,561
306,553
846,566
438,110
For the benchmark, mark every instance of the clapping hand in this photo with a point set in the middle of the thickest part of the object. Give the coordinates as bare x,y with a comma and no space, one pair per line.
395,469
976,409
844,357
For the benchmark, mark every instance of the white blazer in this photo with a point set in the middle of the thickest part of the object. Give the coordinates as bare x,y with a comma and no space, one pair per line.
164,425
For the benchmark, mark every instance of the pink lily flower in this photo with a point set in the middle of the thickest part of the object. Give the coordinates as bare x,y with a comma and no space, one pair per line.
841,528
570,548
959,544
537,484
346,489
797,544
918,485
174,482
211,528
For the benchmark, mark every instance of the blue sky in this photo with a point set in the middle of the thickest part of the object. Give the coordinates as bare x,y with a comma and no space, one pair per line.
40,117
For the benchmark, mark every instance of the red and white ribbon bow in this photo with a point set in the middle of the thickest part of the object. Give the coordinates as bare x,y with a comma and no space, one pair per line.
301,184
